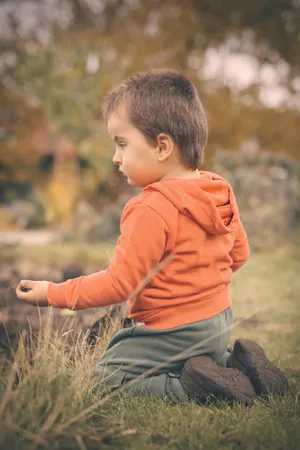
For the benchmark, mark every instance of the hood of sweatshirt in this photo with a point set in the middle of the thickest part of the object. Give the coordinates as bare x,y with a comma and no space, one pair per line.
209,200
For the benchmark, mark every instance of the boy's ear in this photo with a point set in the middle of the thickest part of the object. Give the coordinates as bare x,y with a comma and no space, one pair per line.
165,146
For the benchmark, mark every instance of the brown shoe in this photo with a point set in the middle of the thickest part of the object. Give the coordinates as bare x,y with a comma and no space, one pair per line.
250,358
202,378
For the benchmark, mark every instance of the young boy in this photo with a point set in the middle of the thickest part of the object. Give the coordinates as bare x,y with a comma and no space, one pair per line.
159,128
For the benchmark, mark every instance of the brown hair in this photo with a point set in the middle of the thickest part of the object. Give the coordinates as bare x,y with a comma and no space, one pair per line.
163,101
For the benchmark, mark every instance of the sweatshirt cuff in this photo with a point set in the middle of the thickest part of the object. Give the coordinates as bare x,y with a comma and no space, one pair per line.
56,295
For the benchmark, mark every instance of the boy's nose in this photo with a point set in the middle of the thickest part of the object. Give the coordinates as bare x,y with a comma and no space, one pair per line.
116,158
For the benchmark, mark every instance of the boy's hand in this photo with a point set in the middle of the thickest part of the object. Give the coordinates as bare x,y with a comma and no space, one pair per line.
33,292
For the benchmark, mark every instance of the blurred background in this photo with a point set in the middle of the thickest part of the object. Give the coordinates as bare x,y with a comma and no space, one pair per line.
60,57
58,185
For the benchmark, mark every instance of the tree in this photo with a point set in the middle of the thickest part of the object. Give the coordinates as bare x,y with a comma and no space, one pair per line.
100,43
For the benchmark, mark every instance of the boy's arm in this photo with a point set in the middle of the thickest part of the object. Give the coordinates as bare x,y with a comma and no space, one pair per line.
240,251
139,249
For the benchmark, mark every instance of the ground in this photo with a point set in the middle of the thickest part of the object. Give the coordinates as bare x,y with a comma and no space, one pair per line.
54,403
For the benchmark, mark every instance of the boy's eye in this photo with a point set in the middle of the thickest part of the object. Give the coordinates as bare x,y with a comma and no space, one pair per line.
122,145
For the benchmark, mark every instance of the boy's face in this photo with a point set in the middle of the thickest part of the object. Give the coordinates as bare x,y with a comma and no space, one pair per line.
136,156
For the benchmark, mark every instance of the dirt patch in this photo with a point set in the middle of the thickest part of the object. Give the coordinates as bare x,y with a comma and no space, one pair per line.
17,318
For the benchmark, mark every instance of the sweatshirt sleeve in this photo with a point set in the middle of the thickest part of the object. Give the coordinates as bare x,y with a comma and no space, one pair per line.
139,249
240,251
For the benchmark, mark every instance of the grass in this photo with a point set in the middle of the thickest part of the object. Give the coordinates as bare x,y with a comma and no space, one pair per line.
53,406
30,257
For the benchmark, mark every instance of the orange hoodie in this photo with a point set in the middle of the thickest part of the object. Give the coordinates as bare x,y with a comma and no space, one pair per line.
198,221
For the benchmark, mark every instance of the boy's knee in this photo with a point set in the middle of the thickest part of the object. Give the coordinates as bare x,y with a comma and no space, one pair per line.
109,376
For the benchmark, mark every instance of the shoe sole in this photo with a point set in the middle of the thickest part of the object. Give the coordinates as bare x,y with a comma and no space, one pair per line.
223,383
249,357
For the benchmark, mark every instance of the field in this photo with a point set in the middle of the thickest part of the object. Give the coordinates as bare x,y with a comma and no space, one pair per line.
48,400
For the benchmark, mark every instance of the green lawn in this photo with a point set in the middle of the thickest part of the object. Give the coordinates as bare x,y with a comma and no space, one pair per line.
52,406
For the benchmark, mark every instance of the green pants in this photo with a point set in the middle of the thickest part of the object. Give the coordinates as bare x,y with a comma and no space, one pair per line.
133,351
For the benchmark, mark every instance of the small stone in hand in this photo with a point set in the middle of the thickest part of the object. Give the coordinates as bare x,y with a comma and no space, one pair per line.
24,289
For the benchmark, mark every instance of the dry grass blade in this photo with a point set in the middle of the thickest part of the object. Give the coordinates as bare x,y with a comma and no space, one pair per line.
129,432
80,442
51,419
9,390
11,380
27,434
158,268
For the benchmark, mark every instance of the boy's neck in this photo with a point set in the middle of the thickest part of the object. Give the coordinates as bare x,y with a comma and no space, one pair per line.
181,174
